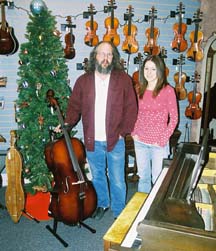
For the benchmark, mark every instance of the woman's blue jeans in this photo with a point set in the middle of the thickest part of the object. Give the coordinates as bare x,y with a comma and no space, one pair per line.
108,175
149,160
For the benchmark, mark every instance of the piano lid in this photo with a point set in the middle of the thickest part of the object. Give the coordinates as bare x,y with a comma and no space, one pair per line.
173,202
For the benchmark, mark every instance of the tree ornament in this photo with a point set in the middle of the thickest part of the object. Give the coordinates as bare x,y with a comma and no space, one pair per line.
40,120
38,87
37,6
53,73
27,170
24,104
25,52
57,33
25,84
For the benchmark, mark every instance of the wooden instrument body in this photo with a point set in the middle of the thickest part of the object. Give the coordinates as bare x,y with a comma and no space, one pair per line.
14,195
91,38
193,111
73,198
179,43
180,79
163,55
65,205
69,49
130,44
136,76
8,42
195,52
151,47
112,23
111,34
152,34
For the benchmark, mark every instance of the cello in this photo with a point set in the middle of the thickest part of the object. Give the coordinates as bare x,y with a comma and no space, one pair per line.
8,42
195,52
130,45
193,111
180,79
73,198
91,39
112,24
179,44
69,40
152,33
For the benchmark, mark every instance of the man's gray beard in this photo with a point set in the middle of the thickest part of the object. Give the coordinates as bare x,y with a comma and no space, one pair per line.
102,70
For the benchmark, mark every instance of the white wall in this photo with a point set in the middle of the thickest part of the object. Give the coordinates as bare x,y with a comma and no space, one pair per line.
18,18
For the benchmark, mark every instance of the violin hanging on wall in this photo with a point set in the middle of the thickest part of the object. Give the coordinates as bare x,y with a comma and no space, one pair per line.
193,111
8,42
195,52
152,34
130,45
163,55
69,40
91,38
136,77
179,43
112,24
180,78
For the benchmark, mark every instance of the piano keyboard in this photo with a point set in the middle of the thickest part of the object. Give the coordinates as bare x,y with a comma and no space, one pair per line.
132,236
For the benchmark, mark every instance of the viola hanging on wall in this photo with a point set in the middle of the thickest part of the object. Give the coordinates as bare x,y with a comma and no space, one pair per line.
152,33
91,38
179,43
195,52
130,45
112,24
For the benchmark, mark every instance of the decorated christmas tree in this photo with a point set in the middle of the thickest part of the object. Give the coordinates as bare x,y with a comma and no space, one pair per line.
42,68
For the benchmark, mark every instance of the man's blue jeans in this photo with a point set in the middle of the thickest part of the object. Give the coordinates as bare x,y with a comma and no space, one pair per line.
108,175
149,160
